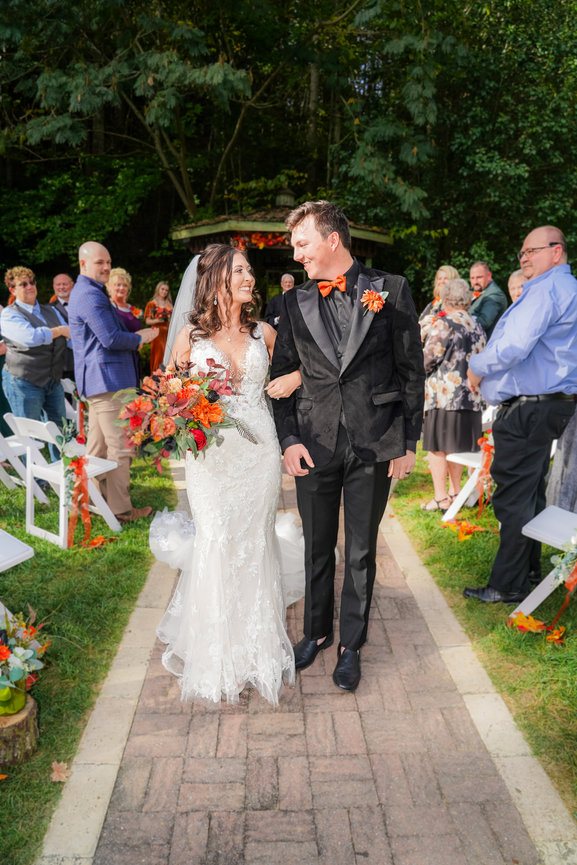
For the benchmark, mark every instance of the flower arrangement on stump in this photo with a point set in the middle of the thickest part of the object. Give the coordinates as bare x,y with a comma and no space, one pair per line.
22,644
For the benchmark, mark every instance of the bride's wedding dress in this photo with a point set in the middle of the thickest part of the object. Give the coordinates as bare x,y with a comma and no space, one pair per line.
225,625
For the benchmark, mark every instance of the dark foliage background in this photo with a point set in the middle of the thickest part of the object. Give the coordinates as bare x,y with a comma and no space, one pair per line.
448,124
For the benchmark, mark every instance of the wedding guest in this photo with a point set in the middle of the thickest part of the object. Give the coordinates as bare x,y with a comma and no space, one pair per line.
452,411
4,404
274,306
63,285
35,342
106,361
119,286
157,314
515,285
353,333
442,276
528,369
562,482
489,301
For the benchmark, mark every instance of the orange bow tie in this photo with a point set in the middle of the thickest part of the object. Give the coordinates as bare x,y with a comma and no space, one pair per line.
326,287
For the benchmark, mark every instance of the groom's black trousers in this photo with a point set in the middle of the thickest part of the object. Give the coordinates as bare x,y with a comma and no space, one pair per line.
365,488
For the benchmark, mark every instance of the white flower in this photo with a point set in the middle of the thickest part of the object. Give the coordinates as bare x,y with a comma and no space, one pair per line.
73,449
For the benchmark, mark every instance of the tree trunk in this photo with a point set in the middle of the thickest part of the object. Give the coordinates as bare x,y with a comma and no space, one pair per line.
18,735
312,123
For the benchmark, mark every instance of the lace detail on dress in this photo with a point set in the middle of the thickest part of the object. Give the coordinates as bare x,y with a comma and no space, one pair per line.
225,626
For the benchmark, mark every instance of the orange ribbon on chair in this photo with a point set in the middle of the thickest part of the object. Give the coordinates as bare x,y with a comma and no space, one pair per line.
484,479
554,635
79,501
326,286
81,432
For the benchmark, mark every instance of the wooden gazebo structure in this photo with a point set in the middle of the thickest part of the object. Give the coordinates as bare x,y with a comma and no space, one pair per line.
263,235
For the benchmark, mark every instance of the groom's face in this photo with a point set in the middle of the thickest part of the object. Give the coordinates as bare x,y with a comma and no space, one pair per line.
313,251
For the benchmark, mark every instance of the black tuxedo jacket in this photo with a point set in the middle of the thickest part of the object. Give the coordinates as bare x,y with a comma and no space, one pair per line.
377,385
273,310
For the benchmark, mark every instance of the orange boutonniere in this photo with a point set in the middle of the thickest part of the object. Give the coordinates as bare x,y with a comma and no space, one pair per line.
373,301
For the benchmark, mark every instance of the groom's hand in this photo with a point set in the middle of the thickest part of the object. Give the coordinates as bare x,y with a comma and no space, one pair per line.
402,467
292,460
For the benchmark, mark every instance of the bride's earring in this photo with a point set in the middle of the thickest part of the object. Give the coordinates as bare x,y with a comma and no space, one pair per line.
215,300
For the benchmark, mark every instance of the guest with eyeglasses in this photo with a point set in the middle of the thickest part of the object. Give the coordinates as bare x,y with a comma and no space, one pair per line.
489,301
35,339
528,368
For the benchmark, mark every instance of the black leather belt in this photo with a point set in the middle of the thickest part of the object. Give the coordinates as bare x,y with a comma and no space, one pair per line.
539,397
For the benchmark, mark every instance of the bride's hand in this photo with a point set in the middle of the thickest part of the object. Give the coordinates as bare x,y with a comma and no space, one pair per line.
284,385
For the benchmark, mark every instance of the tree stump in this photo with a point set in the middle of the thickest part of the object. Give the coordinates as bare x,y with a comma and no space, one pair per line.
18,735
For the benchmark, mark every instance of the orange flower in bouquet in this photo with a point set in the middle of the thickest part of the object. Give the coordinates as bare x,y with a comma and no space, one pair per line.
178,410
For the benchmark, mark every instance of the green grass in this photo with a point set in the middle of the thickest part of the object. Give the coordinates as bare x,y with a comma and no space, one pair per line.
537,679
86,597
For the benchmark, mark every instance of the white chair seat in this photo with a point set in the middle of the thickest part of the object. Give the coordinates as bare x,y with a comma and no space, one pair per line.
12,551
94,467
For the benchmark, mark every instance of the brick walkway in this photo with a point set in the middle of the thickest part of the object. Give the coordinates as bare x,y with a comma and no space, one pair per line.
394,774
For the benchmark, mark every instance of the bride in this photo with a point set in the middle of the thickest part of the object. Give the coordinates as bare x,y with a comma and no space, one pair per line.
225,625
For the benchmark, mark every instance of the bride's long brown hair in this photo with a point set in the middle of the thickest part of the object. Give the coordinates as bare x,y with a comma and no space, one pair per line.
214,269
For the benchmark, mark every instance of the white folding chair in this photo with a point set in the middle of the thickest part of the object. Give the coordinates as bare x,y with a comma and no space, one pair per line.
468,493
37,466
11,449
70,399
553,526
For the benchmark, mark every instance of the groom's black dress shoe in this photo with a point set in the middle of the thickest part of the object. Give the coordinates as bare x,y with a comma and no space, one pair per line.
489,595
307,650
347,674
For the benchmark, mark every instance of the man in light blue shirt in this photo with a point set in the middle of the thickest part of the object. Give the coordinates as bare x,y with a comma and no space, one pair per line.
35,342
529,368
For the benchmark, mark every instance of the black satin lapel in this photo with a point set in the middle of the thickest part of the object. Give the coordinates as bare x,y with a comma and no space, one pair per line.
308,301
361,321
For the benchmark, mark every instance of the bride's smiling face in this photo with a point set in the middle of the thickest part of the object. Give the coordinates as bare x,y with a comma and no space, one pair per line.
241,280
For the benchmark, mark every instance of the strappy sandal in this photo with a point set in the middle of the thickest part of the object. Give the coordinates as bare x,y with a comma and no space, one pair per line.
438,505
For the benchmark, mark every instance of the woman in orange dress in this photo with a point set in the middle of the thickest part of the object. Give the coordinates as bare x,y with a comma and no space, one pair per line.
157,314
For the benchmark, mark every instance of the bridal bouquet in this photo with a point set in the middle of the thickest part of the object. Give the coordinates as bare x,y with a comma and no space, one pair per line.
178,410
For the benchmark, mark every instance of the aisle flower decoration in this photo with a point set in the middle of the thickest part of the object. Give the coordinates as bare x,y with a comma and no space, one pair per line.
565,572
73,454
487,446
179,410
22,644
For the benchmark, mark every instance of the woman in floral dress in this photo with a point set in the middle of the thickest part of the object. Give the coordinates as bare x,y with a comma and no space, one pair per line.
452,411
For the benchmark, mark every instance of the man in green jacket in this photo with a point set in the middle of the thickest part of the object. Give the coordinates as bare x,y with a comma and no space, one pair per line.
489,301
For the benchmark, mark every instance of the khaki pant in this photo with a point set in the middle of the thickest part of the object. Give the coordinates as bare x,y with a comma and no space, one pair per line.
107,440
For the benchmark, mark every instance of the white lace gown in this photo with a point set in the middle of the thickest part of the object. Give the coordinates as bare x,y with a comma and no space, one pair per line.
225,625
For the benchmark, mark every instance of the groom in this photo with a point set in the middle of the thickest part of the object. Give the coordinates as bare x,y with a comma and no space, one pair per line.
352,426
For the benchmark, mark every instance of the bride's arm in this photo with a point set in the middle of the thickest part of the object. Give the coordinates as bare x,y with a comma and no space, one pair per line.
180,355
284,385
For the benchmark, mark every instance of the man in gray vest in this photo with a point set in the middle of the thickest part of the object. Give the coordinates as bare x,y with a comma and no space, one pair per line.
35,342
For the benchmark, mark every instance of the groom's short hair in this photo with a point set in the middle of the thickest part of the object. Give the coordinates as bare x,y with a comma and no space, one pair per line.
327,217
